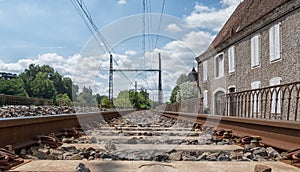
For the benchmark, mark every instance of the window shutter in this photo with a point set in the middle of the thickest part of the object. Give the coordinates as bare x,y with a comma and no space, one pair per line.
257,54
205,98
255,85
221,65
205,71
252,52
231,59
277,42
255,51
271,39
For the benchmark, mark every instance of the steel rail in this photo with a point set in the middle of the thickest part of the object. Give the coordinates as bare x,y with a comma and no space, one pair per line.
284,135
20,132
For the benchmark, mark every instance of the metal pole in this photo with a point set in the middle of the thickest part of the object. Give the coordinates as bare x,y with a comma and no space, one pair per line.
159,80
110,90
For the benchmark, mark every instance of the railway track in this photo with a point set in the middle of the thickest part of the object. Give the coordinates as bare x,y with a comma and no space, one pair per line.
283,135
133,141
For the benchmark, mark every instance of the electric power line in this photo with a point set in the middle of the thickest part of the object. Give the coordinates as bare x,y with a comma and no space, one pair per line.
85,15
160,19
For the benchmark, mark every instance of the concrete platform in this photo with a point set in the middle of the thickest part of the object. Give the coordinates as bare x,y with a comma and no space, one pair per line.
162,147
148,166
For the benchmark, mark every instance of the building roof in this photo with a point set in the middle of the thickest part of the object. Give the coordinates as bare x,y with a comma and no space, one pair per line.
193,75
246,13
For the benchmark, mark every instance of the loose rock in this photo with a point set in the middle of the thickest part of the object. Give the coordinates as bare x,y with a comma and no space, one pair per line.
262,168
82,168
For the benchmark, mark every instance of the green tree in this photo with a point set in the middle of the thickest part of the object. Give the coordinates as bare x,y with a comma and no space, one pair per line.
98,98
62,85
74,94
68,87
174,93
140,100
187,90
105,103
181,79
12,87
43,87
122,100
63,100
86,97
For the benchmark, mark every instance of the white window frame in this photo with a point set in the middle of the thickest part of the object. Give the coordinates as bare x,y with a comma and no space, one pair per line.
205,98
255,51
219,66
205,72
275,42
273,82
256,85
231,59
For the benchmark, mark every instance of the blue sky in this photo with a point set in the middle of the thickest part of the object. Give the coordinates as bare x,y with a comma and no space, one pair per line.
51,32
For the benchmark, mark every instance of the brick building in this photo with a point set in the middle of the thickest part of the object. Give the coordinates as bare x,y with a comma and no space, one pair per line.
259,46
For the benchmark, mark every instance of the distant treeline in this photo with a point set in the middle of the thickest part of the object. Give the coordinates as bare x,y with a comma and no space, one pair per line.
45,83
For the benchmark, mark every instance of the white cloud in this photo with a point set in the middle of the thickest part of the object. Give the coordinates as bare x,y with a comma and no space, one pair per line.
15,67
195,41
210,18
202,8
130,52
122,2
231,2
173,28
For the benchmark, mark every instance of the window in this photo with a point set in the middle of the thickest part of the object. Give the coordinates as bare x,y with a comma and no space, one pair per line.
275,42
276,95
231,59
204,71
255,51
256,101
205,99
219,65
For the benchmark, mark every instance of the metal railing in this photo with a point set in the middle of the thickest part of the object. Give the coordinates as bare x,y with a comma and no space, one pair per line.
21,100
280,102
189,105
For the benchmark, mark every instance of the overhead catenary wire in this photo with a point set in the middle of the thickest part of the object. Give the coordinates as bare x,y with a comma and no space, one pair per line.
88,20
160,20
144,31
145,9
85,15
149,24
82,10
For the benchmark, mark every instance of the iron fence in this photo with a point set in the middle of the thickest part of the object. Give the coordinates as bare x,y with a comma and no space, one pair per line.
280,102
190,105
21,100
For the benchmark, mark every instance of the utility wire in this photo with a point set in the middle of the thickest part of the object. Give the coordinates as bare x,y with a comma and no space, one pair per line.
144,31
82,10
85,21
145,11
160,19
